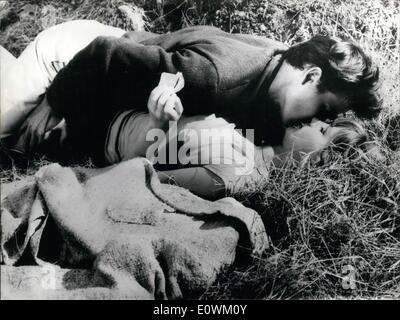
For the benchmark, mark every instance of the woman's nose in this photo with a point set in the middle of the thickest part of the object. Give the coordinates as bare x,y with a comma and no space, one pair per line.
315,122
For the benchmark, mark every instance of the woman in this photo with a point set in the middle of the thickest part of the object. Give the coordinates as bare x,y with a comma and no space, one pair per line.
228,162
204,154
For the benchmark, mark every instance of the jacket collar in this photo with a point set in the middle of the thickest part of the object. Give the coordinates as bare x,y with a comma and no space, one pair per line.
269,74
270,129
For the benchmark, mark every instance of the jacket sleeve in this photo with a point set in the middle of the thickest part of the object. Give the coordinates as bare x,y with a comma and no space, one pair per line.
113,73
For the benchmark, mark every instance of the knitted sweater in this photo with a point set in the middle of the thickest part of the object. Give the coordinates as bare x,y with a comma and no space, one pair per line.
226,74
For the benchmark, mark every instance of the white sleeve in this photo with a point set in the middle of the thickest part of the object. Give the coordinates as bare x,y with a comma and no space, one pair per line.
32,73
215,144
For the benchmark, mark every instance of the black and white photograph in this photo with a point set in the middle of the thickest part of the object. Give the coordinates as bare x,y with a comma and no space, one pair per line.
200,151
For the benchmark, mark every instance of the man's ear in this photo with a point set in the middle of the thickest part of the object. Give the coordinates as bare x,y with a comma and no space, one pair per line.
312,75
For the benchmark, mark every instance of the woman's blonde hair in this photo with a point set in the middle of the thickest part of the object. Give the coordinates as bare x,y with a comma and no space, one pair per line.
352,141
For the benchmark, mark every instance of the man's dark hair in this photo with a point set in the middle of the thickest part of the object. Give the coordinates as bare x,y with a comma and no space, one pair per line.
345,69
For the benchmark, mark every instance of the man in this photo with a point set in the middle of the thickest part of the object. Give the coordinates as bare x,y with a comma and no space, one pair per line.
255,82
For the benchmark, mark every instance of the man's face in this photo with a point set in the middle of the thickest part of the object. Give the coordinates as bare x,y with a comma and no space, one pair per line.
304,101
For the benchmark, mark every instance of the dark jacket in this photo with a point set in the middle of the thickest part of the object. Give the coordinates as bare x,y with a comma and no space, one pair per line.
226,74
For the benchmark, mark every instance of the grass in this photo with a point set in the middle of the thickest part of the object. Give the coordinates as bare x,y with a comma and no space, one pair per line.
335,229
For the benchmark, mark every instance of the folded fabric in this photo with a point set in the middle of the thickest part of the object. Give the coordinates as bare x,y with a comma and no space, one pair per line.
117,233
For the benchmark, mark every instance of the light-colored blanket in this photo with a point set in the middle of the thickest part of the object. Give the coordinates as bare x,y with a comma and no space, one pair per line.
117,233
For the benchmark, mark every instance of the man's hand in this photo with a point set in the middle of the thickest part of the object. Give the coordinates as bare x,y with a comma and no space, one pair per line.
164,105
33,129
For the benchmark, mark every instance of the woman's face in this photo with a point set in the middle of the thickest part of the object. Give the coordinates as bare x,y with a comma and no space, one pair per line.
309,138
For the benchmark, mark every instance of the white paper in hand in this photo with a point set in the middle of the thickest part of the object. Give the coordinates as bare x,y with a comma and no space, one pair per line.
171,80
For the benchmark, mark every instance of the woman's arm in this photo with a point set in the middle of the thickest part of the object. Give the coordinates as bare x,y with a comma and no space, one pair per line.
198,180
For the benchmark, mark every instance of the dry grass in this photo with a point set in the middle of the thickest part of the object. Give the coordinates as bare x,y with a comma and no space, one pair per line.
322,220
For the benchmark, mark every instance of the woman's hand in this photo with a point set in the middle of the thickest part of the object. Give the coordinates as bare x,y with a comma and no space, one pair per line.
164,105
